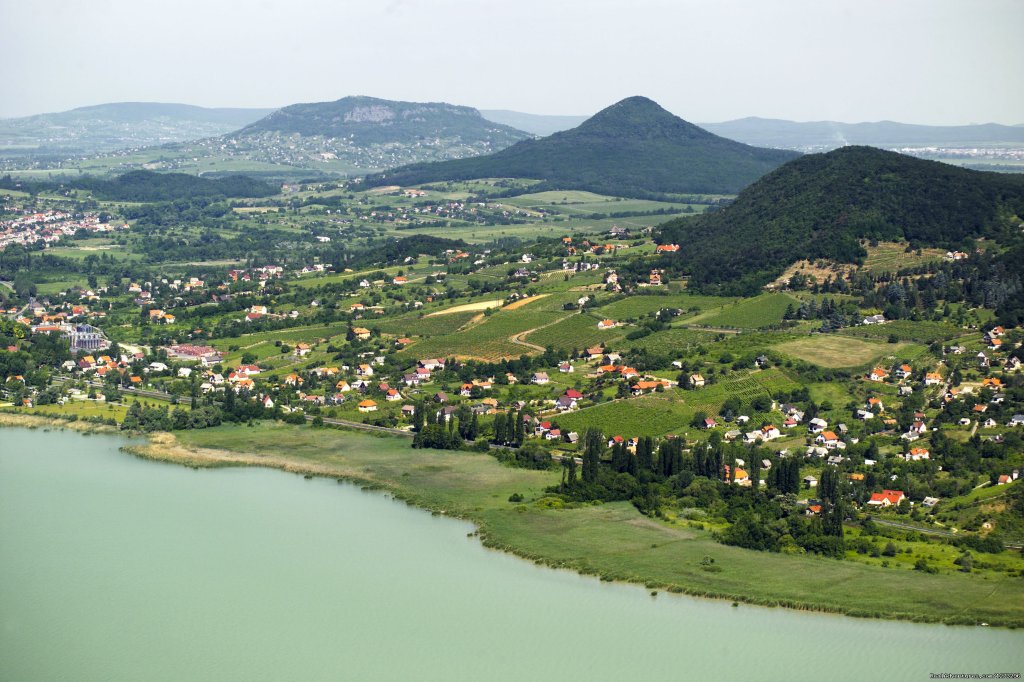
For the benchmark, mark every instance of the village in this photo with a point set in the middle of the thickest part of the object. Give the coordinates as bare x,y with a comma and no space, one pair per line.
528,347
48,227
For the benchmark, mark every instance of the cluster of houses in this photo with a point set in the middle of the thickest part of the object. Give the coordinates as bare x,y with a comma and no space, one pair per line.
260,274
49,227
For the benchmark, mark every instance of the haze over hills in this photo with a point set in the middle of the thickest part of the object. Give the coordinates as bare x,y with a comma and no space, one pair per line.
537,124
109,127
632,148
822,205
823,135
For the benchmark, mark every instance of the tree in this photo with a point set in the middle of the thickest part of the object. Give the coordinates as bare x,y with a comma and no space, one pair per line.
500,433
593,447
418,417
569,463
645,454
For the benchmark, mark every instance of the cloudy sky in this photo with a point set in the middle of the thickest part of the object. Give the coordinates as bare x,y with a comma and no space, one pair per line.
917,61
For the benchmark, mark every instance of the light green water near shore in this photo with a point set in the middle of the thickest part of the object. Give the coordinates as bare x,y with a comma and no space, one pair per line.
115,568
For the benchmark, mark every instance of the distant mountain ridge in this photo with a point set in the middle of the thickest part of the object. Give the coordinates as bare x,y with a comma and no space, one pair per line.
369,120
632,148
120,125
346,137
822,205
824,135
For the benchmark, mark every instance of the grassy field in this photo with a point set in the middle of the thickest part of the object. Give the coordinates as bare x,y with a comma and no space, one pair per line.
610,540
581,203
832,350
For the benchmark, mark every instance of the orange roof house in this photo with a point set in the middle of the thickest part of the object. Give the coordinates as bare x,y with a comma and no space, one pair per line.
886,498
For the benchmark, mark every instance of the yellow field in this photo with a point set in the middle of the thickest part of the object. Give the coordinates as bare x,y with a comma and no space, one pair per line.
479,305
525,301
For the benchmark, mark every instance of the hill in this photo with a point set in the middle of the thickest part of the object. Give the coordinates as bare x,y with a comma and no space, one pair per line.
826,135
821,205
367,121
122,125
350,136
536,124
632,148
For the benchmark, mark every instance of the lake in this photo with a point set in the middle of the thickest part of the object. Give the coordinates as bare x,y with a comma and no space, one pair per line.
117,568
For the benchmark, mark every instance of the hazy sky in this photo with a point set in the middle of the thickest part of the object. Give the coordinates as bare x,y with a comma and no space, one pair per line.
917,61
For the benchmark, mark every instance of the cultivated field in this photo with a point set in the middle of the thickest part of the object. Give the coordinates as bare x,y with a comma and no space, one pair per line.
753,313
636,306
893,257
576,332
478,306
832,350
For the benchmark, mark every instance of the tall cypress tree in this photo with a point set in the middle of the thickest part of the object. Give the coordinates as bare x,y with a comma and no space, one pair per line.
499,429
644,454
418,416
520,429
593,447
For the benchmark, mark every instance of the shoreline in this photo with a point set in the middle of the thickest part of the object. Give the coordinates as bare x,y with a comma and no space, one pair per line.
165,447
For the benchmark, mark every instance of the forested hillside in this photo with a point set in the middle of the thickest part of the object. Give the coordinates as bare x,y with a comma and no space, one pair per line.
821,205
150,186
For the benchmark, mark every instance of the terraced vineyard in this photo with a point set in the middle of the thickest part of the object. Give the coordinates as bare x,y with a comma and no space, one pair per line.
672,342
576,333
635,306
752,313
415,325
490,339
765,383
